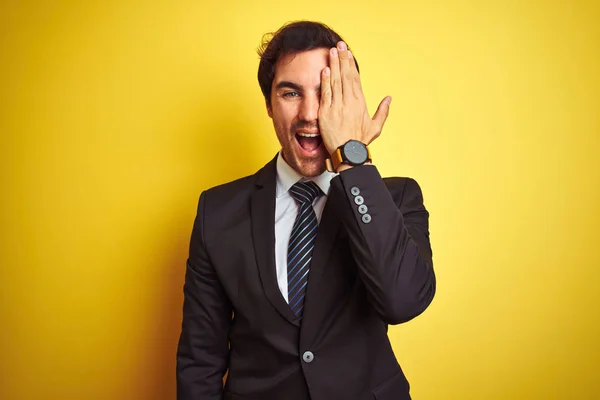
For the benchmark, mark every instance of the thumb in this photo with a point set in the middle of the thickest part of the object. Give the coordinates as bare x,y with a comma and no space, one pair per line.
382,112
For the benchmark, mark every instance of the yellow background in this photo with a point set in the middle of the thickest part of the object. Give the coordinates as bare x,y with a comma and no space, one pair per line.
116,114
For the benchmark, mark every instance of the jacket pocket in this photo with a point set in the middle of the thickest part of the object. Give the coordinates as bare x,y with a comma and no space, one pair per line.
395,388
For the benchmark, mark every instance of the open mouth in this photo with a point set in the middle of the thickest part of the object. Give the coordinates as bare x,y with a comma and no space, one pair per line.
310,142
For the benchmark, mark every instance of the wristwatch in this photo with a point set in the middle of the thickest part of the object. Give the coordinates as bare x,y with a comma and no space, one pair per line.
352,153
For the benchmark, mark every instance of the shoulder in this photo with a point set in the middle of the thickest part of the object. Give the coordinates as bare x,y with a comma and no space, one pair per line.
227,195
236,194
231,189
400,185
405,191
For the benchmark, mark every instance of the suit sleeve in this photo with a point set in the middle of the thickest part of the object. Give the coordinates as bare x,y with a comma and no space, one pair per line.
389,241
203,350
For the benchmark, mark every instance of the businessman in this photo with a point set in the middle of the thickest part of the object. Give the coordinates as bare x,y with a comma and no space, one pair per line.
295,272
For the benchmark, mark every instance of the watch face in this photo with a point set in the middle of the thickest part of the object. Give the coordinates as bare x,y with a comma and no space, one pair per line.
355,152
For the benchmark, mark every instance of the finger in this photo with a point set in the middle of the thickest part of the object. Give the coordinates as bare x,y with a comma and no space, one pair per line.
357,85
382,113
326,88
345,73
336,83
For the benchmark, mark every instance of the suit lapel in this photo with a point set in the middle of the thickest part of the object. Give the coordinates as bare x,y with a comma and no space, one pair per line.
328,236
328,229
262,212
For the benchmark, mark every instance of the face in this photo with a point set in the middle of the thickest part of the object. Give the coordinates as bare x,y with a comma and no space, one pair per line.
295,97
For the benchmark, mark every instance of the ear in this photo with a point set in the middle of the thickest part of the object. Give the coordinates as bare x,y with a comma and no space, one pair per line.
269,109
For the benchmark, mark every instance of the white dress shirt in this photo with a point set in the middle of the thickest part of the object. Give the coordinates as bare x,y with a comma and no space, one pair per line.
286,210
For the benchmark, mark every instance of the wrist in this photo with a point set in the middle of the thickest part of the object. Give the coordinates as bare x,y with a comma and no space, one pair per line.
344,167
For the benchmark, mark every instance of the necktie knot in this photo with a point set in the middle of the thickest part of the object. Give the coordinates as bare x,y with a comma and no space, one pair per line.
305,192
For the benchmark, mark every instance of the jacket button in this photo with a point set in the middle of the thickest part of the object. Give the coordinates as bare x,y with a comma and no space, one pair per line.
355,191
359,200
366,218
363,209
308,357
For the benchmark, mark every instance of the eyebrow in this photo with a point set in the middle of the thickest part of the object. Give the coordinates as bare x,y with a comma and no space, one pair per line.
295,86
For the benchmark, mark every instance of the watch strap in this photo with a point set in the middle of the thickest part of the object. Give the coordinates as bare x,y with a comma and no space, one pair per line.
336,158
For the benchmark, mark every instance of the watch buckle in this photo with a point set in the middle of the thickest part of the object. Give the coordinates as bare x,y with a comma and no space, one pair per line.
329,165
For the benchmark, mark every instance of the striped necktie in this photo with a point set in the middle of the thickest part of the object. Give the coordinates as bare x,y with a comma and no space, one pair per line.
301,244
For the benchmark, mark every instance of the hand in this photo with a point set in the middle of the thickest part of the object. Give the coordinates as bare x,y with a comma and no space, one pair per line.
343,113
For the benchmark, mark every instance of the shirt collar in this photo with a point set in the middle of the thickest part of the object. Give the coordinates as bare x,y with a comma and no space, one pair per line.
287,177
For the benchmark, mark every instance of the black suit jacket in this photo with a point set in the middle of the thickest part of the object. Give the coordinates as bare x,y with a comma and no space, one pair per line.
366,273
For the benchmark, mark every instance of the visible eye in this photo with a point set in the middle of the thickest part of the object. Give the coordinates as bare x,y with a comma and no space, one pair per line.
291,94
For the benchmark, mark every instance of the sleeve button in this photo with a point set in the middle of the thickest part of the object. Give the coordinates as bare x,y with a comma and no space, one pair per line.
363,209
359,200
355,191
366,218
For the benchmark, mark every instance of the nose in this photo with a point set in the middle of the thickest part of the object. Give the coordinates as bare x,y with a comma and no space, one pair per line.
309,108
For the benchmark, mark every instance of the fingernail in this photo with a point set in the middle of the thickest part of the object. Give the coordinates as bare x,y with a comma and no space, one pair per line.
334,52
326,72
342,46
349,54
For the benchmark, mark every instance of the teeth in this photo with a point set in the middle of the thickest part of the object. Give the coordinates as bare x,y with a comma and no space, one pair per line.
308,134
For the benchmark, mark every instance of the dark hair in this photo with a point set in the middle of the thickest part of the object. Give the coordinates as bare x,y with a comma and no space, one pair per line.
291,38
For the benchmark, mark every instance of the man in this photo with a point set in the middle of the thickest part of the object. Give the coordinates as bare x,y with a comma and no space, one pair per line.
295,272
